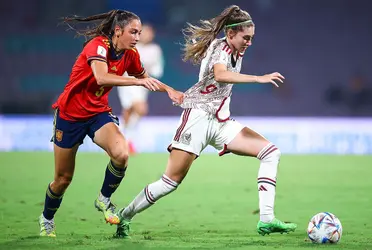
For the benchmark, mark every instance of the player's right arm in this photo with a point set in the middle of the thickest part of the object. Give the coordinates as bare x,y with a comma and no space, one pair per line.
103,78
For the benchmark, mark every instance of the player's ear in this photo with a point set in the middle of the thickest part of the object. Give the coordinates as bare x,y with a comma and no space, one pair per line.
118,31
231,33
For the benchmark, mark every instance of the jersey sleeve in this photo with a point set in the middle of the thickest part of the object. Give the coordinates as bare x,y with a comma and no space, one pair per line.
135,67
220,54
96,49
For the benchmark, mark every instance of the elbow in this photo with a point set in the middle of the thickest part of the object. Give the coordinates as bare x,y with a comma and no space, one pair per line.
218,77
100,80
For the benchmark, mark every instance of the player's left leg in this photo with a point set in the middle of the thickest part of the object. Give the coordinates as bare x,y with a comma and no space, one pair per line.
107,135
249,143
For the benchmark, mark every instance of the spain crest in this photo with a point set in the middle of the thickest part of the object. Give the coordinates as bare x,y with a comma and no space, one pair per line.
59,135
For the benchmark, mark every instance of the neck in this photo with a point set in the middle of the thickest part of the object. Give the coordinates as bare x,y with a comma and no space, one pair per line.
115,45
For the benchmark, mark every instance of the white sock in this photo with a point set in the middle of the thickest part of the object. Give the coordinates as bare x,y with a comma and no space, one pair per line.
149,196
269,156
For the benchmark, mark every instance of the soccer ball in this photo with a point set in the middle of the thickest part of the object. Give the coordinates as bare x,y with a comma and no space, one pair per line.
324,228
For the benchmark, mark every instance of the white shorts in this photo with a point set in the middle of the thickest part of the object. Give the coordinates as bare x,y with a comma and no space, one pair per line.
197,129
131,94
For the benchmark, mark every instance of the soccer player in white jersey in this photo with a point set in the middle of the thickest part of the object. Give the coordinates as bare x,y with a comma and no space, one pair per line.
205,119
133,99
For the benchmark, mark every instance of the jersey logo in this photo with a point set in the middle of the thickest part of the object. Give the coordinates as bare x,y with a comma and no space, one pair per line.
101,51
114,68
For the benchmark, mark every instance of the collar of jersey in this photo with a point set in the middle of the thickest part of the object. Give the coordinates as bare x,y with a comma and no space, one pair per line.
113,54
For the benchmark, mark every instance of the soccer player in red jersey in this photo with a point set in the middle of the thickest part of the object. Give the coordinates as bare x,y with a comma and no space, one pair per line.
82,108
206,118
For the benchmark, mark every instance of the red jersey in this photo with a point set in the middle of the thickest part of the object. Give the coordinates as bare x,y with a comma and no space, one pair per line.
82,97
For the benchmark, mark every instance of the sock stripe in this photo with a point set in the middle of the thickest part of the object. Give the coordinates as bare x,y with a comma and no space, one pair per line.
118,173
169,181
268,151
148,197
267,179
264,150
272,150
267,182
52,195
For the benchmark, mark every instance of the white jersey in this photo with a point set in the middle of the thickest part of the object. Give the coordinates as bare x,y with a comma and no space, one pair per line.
207,94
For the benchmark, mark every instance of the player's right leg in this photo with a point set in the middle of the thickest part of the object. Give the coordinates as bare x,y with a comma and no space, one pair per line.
179,163
67,137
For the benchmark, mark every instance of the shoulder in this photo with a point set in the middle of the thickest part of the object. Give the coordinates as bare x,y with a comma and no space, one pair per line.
221,45
133,53
102,41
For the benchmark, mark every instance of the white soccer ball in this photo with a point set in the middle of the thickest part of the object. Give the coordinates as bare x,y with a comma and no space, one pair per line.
324,228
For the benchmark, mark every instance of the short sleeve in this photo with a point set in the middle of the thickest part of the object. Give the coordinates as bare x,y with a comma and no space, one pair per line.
135,67
96,49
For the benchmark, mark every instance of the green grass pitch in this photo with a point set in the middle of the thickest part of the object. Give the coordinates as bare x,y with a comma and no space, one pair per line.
212,209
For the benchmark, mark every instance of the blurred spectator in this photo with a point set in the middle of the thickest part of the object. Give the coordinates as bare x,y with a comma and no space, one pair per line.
133,99
356,95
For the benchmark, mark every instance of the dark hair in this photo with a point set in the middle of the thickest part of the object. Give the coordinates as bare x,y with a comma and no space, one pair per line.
106,27
198,38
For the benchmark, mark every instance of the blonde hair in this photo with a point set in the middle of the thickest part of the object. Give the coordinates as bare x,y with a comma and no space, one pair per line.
198,38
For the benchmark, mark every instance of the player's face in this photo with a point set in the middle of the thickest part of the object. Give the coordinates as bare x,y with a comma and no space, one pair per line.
242,39
129,36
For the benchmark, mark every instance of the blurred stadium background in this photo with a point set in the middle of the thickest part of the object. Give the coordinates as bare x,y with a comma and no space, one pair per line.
322,47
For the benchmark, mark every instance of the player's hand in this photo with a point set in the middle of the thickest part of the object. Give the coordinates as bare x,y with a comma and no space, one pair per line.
149,83
176,96
272,78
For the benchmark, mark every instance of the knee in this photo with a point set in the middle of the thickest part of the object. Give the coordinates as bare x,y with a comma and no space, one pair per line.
120,156
61,183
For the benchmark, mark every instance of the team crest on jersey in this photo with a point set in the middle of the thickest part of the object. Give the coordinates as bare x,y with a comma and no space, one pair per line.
59,135
186,138
114,68
107,42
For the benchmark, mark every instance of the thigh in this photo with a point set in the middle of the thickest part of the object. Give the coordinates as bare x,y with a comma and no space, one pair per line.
66,134
110,139
179,163
64,159
64,167
247,142
224,133
192,133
